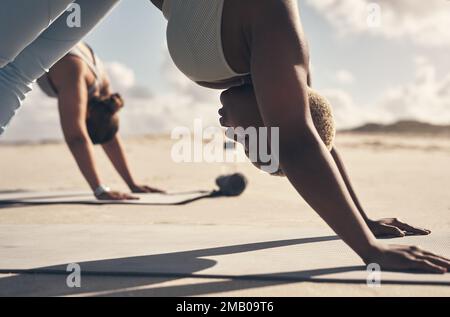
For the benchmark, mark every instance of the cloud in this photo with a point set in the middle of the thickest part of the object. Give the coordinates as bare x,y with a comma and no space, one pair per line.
120,75
123,79
346,112
423,22
344,77
425,98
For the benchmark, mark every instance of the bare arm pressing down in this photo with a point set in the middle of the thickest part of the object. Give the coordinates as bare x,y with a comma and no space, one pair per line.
69,79
240,109
279,73
387,227
114,149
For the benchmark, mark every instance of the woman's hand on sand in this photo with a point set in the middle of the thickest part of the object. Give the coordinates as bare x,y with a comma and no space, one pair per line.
143,189
392,227
409,258
114,195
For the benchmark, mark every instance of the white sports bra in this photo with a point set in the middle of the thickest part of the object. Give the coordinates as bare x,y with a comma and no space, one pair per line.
194,39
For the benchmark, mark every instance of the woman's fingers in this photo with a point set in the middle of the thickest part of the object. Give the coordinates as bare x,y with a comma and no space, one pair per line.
392,231
223,118
384,230
123,196
427,266
117,196
436,259
430,261
130,197
224,123
154,190
399,257
410,229
435,255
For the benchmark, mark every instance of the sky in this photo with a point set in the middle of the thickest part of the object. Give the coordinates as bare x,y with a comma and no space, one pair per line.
376,61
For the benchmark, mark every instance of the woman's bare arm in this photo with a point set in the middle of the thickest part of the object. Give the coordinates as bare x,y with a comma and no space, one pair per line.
383,227
279,72
116,154
69,80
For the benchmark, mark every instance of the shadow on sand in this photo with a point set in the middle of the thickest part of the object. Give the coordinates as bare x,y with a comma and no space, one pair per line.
143,275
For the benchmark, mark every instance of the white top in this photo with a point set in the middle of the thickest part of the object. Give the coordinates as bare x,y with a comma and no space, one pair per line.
194,39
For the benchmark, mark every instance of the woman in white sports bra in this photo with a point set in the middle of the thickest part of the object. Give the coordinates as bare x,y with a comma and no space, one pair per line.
256,49
89,115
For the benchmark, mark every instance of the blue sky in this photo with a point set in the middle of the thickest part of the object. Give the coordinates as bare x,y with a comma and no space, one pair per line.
399,70
134,34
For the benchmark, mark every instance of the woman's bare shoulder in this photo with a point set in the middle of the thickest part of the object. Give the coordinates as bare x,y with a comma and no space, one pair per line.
69,68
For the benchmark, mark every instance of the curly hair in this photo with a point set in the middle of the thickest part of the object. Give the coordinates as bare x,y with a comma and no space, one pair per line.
102,120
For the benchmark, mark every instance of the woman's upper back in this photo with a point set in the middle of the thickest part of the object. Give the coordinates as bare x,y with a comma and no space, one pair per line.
95,73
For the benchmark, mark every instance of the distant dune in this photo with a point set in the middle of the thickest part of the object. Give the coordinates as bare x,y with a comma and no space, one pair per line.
411,127
403,127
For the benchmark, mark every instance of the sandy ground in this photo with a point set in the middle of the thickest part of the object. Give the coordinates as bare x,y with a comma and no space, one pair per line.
395,177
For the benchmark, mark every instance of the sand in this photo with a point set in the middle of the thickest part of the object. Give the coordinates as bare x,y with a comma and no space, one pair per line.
395,177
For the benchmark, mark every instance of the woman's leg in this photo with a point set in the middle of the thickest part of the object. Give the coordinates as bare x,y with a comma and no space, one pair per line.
21,22
17,77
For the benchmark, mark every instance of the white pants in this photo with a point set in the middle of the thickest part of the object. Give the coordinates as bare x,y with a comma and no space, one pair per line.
34,35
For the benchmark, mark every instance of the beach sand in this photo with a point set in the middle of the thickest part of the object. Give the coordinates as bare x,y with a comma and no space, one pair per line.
395,176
